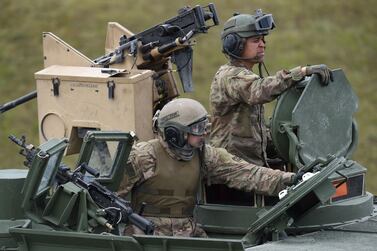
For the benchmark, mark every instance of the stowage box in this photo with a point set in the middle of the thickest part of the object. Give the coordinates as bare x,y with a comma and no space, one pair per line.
73,99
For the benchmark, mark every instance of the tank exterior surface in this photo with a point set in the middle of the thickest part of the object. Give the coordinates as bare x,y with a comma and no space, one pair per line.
94,107
356,236
11,183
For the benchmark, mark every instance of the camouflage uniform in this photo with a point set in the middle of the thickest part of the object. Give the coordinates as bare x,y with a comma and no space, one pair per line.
237,98
219,165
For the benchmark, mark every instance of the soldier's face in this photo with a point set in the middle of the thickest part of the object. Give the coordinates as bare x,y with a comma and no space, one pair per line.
196,141
254,49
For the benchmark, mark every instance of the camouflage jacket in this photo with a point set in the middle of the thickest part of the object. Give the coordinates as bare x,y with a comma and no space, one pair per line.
237,97
220,166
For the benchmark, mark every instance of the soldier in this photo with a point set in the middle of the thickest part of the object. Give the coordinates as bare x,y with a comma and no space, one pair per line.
165,173
238,94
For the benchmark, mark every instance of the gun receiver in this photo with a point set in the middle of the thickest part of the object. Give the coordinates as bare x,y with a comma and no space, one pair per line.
113,208
170,38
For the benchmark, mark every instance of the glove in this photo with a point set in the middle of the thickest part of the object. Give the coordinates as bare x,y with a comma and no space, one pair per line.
295,178
323,72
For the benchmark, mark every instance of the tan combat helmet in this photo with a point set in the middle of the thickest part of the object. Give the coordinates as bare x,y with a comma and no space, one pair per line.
180,117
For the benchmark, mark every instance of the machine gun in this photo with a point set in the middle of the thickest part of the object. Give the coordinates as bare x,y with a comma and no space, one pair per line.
113,208
155,46
170,38
19,101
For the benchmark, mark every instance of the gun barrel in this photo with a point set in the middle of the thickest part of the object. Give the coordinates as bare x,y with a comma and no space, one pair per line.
142,223
18,101
15,140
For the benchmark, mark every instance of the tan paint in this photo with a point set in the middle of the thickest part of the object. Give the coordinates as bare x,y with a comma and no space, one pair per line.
58,52
83,102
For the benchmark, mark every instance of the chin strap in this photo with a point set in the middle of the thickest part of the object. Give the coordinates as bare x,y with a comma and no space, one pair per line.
254,59
260,69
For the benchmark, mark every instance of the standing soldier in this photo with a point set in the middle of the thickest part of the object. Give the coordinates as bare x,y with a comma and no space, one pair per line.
166,172
238,94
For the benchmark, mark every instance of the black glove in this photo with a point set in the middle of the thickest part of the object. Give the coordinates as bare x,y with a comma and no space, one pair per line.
295,178
323,72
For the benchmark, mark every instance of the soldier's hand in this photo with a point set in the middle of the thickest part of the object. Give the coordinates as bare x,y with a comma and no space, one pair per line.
295,178
322,71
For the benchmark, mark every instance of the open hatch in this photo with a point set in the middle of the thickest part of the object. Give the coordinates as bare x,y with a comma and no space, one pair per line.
310,122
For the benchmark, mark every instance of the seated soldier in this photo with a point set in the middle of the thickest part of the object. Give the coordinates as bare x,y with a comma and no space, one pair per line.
165,172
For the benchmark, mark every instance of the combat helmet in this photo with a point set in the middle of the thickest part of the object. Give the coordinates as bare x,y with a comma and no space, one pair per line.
242,26
180,117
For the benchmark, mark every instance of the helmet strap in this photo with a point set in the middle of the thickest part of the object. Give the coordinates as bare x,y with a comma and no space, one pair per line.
252,59
260,69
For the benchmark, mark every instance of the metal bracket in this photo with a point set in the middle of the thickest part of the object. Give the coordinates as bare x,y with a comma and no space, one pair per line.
55,86
294,143
111,89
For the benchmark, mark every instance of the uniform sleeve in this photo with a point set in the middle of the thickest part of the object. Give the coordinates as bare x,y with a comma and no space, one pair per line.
225,168
249,88
141,165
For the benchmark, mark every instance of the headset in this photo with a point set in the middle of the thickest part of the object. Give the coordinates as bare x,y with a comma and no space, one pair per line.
171,134
233,45
175,137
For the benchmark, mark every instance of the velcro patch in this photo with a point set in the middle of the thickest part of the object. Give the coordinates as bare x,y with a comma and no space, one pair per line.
170,116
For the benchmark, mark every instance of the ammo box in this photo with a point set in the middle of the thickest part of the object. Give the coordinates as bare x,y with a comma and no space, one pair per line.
72,100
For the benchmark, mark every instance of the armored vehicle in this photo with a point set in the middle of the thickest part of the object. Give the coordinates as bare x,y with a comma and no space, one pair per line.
87,107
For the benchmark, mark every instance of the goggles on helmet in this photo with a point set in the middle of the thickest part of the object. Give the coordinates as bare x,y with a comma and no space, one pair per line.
265,22
198,128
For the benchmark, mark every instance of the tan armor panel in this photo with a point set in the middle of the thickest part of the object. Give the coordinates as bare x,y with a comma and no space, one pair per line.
58,52
71,98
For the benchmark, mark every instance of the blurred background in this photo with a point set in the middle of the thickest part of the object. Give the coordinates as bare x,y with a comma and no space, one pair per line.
341,34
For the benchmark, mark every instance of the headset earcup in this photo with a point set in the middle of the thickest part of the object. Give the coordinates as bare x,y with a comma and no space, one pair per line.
233,44
174,136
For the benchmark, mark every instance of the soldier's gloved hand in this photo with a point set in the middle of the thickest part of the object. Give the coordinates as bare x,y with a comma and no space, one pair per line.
295,178
322,70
